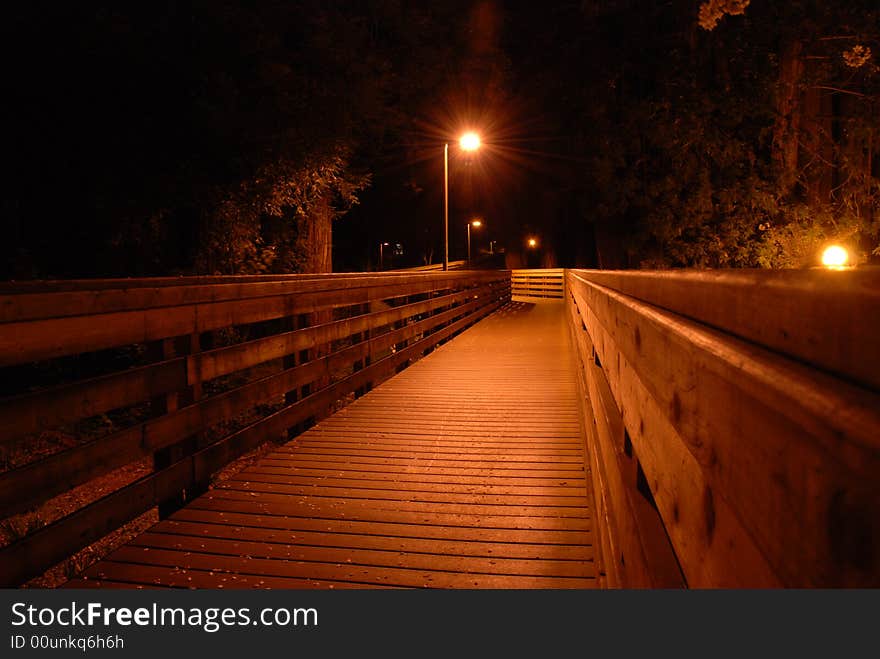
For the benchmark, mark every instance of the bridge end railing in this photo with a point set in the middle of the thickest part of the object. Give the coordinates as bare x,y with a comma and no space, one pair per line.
537,284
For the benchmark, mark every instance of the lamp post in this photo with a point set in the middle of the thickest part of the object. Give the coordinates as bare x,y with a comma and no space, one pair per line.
446,207
476,224
382,256
468,142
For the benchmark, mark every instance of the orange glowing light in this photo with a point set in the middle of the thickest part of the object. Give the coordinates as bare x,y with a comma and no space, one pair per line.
533,242
835,257
477,223
469,141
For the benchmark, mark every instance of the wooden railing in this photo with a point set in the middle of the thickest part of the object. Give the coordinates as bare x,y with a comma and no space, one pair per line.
435,267
734,425
189,373
538,283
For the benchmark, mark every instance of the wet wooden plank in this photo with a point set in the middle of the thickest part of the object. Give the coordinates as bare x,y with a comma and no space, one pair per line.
233,548
411,486
400,509
512,536
405,575
188,533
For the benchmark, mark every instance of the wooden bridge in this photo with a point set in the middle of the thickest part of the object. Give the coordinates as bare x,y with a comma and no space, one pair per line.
534,429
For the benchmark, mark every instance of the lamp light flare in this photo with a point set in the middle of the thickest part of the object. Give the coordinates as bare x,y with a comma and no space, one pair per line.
533,242
835,257
477,223
469,142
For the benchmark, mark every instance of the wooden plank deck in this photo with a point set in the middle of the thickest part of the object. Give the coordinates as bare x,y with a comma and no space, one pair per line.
466,470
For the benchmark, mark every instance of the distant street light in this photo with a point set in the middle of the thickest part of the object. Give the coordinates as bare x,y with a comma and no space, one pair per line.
382,256
476,224
470,141
835,257
533,242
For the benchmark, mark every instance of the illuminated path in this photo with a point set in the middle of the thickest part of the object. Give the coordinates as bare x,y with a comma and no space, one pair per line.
466,470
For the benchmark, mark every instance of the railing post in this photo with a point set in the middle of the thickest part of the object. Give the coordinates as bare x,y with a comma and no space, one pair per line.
289,324
367,360
398,325
171,402
321,350
307,355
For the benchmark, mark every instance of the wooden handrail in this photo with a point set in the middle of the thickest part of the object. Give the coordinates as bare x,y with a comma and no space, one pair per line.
754,430
315,339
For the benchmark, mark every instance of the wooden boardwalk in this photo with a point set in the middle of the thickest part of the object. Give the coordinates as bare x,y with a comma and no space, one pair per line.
466,470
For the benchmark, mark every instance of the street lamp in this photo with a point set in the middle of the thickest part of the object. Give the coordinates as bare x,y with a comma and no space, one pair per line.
533,242
470,141
476,224
382,256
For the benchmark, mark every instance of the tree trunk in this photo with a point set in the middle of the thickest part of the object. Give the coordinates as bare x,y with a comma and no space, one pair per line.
788,113
314,243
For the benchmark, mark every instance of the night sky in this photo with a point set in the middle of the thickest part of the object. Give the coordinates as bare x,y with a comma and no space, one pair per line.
188,137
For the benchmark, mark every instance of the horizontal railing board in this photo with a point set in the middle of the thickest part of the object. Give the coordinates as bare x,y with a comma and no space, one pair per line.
844,418
434,267
33,412
62,285
213,363
20,303
823,317
32,340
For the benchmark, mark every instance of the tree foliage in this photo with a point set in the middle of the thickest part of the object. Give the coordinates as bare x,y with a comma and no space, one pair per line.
201,137
730,134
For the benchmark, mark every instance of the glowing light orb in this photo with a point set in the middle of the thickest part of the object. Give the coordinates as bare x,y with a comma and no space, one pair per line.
470,142
835,256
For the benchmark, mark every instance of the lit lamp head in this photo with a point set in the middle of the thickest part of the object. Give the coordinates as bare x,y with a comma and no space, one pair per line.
533,242
469,142
476,223
835,257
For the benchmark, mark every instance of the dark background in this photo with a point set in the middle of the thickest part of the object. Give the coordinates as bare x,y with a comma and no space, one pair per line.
212,137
